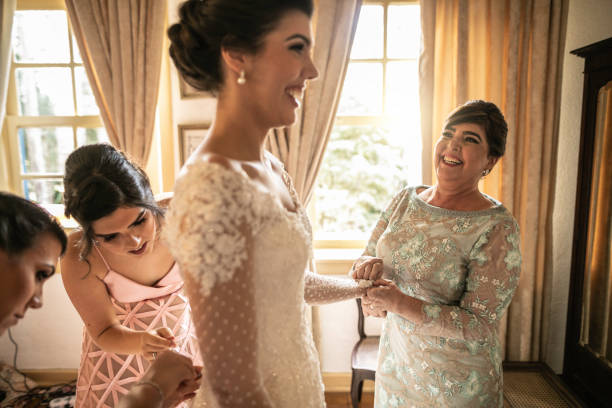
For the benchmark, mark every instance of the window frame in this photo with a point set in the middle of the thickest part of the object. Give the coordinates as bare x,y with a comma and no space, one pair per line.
15,121
345,248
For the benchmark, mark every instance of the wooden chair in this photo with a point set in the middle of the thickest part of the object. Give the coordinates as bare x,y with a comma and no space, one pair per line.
363,359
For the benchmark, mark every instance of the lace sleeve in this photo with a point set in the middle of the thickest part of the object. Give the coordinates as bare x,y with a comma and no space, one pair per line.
321,289
209,231
383,222
493,276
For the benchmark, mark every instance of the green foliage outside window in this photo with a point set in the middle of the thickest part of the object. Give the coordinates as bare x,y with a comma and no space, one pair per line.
360,174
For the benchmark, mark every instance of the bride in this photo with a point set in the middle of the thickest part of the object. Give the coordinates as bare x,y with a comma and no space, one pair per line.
236,226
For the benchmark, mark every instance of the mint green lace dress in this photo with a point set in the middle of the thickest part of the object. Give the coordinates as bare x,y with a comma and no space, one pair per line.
465,265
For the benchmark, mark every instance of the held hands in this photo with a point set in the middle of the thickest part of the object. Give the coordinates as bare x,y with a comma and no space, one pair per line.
385,295
367,267
155,341
369,309
382,297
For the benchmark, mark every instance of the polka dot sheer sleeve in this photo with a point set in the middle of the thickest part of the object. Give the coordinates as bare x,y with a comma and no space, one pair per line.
321,289
209,230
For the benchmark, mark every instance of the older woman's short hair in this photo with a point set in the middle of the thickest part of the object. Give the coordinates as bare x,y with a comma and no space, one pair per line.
489,116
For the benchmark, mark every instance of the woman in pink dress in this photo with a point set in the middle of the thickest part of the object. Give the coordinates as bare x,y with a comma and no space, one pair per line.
119,275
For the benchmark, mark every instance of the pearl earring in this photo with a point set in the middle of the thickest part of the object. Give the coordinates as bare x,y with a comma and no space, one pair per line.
241,79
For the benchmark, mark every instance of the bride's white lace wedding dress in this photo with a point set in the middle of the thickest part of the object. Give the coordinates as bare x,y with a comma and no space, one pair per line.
245,259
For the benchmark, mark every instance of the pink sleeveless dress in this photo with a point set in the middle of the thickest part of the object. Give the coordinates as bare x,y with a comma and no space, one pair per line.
103,377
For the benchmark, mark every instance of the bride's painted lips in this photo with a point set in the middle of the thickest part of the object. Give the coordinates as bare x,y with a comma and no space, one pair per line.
140,250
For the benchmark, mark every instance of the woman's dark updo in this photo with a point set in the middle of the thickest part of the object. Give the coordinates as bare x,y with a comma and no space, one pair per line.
206,26
98,180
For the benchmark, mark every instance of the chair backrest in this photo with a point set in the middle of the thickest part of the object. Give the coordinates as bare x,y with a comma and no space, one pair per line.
360,320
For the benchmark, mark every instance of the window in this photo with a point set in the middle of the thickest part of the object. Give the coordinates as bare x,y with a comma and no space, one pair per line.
51,108
375,145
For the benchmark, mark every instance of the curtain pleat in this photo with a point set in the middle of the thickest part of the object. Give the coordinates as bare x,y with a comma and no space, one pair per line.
510,53
121,43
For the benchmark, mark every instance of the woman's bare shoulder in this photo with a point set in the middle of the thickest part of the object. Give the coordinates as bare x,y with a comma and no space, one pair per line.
73,266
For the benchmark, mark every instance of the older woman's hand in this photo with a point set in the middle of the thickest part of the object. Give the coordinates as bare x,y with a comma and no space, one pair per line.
385,295
367,267
369,309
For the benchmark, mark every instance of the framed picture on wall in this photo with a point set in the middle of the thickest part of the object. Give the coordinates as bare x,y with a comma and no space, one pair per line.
188,92
190,136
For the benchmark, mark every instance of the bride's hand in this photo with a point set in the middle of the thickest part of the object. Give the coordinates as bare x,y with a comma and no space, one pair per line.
367,267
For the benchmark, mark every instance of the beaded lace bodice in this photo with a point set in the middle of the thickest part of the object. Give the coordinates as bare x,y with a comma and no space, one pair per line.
245,257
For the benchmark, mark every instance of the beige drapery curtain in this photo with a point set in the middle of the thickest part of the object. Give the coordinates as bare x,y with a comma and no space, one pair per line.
121,45
301,146
7,11
508,52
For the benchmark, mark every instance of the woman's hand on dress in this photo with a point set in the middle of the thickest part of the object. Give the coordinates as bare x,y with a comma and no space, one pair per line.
367,267
155,341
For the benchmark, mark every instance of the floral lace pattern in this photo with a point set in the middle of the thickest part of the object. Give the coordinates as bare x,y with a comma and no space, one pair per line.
245,261
465,265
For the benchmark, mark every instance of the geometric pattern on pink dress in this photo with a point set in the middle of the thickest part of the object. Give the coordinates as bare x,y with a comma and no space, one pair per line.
104,377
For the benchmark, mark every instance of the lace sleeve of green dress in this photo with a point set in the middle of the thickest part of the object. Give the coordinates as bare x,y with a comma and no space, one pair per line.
382,223
493,275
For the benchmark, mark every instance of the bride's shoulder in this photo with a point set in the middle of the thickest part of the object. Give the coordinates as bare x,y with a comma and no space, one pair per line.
207,161
209,167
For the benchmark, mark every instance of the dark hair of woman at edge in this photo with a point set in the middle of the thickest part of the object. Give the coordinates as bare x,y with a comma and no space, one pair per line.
31,241
98,180
22,221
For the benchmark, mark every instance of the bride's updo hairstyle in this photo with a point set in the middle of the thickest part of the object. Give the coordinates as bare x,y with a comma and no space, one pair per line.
98,180
207,26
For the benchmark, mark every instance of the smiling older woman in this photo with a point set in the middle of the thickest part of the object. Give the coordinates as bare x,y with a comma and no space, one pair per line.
451,258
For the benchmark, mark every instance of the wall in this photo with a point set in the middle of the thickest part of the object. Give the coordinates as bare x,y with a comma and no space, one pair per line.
48,338
588,21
